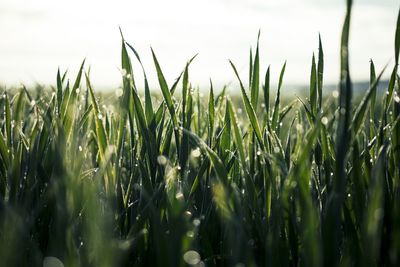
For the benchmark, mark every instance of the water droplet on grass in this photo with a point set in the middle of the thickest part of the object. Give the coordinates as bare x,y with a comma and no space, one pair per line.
196,153
190,234
179,196
52,262
196,222
162,160
191,257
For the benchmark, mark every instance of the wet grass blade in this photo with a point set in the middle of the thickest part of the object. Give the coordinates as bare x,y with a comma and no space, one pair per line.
331,229
275,114
313,86
250,110
147,96
361,110
213,157
237,134
165,90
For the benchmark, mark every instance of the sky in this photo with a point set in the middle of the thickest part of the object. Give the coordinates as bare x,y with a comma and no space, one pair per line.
39,36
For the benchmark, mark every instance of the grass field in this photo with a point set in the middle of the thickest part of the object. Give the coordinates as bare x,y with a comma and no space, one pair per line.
175,179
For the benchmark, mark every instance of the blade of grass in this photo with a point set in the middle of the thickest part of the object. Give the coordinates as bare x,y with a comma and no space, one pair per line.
275,114
250,110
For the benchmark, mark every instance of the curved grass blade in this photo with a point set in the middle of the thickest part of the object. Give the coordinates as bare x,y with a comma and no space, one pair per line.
249,109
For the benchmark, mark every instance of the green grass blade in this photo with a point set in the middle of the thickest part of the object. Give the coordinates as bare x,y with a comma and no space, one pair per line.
250,110
373,96
165,90
275,114
397,40
147,96
211,114
313,86
237,133
7,119
266,93
320,71
331,229
59,91
361,111
255,84
213,157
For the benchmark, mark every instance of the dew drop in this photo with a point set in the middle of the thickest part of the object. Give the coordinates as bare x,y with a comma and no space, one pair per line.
179,196
196,222
324,120
119,92
190,234
191,257
196,152
162,160
52,262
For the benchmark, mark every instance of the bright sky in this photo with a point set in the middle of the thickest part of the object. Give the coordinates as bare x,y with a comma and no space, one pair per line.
38,36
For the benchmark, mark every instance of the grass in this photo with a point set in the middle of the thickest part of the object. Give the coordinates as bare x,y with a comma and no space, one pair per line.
182,180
